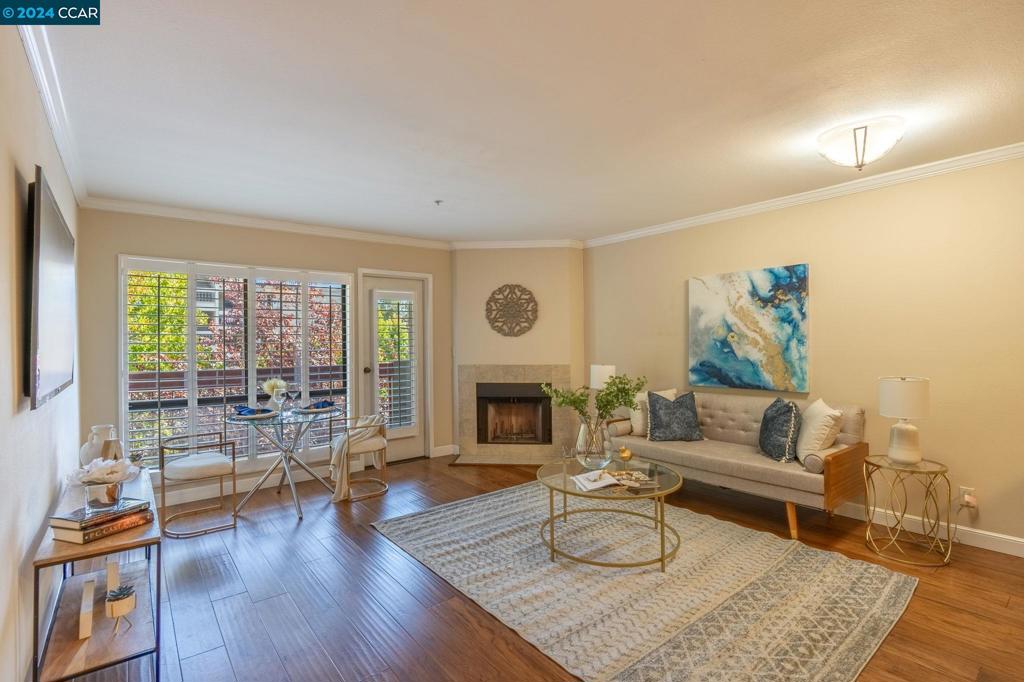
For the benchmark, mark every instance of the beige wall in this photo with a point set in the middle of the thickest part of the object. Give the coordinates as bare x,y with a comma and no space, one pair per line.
104,235
922,278
40,446
555,276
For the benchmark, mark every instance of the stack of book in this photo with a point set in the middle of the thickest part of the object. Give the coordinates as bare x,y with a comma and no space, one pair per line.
84,525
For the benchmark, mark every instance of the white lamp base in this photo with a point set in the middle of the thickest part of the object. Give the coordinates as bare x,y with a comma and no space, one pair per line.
904,446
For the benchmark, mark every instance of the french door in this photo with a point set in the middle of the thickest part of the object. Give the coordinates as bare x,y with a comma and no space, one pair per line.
393,363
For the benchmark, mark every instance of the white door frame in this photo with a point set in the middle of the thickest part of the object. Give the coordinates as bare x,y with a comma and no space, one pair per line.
363,315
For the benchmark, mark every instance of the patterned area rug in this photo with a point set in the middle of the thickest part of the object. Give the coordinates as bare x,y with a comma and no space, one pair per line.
735,604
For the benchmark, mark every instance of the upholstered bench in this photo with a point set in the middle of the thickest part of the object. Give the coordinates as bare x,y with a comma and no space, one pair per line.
729,456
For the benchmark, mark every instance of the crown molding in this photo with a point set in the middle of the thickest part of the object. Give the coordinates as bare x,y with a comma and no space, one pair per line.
525,244
195,215
40,60
957,163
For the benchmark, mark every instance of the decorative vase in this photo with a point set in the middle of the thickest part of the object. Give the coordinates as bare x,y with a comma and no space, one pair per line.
101,496
93,446
593,449
276,402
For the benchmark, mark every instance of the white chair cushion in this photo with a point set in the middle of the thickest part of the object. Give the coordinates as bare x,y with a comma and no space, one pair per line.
199,465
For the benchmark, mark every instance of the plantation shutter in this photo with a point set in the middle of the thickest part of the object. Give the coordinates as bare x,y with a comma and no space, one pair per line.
221,354
156,363
327,351
278,335
396,358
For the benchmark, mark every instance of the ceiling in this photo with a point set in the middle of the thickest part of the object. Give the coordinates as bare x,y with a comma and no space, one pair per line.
529,119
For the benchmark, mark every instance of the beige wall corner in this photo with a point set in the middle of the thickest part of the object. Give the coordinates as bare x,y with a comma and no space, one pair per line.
921,278
554,275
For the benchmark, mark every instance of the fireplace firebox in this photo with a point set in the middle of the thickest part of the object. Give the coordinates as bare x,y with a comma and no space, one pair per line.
511,414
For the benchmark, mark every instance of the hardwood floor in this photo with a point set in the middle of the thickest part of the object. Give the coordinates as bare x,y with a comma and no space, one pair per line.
328,598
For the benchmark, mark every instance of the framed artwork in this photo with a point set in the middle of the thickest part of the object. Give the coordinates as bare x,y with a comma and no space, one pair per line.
749,329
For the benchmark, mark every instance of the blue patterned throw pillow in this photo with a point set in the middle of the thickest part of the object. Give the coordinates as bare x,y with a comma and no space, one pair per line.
673,419
780,427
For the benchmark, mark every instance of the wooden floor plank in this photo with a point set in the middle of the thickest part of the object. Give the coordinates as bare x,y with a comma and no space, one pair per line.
352,655
304,658
210,666
195,626
170,667
220,576
252,654
260,580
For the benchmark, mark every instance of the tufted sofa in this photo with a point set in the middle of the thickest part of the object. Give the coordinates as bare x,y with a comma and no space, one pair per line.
729,456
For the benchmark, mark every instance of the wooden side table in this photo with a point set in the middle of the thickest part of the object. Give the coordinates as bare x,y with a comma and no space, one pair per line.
933,544
63,656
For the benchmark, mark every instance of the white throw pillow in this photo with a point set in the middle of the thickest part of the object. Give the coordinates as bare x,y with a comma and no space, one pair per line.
638,418
819,427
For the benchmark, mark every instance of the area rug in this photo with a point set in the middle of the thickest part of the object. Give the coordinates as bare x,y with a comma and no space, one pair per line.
735,604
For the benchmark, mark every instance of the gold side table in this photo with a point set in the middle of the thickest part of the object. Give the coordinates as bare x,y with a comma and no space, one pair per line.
933,544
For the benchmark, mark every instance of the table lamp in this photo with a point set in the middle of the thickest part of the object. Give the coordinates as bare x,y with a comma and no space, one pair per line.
904,398
599,375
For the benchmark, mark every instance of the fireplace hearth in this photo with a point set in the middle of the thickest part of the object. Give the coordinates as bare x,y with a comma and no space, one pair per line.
512,414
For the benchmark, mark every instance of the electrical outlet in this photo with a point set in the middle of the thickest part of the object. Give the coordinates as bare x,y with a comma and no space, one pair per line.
968,498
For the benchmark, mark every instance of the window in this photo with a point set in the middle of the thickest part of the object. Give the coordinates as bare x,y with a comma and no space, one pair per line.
396,358
200,339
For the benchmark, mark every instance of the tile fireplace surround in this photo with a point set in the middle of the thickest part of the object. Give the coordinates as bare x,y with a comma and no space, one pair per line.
564,424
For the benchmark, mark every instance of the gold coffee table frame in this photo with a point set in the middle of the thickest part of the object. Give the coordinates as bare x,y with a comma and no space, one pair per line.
557,476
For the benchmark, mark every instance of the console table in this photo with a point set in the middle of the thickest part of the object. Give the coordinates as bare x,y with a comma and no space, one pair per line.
63,655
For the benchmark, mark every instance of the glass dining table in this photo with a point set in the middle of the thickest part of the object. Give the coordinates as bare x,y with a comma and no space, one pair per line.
285,431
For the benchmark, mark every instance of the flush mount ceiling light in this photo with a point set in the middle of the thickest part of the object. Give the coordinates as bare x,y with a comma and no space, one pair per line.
857,144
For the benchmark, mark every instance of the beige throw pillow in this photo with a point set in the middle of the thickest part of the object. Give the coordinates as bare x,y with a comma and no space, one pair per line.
819,427
639,418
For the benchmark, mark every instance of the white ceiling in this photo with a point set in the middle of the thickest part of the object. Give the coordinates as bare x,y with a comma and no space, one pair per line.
530,119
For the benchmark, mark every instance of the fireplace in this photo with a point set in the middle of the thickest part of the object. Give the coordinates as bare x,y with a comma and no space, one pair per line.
512,414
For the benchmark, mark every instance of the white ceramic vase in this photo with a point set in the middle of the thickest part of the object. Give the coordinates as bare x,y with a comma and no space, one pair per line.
93,447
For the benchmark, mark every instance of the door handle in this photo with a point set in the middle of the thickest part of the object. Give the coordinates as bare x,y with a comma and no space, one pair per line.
367,370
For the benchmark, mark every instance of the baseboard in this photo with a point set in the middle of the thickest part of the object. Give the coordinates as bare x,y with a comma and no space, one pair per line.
975,537
444,450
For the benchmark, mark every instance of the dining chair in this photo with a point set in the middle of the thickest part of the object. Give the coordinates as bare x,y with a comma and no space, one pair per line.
362,435
190,459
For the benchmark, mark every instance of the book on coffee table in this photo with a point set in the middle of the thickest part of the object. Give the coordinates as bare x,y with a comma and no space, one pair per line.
81,537
594,480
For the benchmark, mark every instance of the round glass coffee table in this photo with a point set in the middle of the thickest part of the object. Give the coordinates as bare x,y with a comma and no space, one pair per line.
558,477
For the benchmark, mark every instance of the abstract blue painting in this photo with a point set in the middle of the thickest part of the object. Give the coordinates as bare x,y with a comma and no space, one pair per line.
749,329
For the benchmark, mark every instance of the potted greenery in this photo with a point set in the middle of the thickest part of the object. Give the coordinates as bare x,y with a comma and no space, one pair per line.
618,391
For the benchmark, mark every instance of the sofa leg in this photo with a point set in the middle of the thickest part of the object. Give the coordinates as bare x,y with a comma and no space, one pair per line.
791,518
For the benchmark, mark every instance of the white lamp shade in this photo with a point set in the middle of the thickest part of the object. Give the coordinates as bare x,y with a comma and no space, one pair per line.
875,137
903,397
600,374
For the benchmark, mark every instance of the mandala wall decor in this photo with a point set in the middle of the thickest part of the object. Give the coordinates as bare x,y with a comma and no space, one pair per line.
511,310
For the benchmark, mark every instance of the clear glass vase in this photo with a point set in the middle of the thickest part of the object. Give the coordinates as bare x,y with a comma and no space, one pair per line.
592,447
